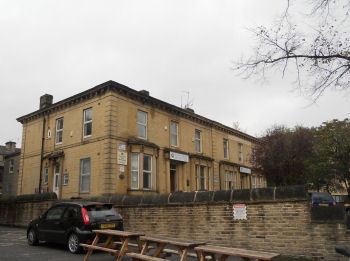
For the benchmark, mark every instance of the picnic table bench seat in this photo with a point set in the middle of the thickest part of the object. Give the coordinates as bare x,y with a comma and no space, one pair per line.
143,257
225,252
87,246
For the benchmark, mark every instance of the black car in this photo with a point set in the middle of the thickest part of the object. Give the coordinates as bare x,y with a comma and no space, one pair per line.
72,223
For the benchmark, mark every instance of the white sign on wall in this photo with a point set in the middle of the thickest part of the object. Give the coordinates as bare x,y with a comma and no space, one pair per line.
239,212
122,158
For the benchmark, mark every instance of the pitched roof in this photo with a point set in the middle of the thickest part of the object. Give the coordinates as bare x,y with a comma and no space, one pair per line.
141,96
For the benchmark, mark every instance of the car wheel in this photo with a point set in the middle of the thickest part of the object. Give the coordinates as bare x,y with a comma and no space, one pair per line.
73,243
32,237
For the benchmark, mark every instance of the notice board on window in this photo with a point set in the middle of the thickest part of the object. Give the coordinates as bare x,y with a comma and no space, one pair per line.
240,212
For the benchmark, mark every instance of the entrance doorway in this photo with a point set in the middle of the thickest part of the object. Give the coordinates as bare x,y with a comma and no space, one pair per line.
56,178
173,177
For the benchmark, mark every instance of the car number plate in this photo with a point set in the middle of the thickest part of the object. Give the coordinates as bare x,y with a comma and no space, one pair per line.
109,225
323,205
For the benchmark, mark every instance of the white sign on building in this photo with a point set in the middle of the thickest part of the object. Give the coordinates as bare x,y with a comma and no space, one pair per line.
179,156
245,170
122,158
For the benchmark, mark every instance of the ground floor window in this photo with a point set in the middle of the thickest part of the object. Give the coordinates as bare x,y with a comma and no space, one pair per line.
46,175
229,180
137,180
85,170
202,177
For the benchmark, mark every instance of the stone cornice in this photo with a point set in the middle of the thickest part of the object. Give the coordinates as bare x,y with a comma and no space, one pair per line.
139,96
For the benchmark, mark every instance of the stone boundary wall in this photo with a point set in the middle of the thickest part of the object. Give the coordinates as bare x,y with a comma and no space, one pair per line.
279,219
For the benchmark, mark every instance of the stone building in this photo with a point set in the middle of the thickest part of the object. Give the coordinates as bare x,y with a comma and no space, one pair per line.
9,168
112,139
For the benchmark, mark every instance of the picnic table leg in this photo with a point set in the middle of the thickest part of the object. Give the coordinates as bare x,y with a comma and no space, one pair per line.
200,256
223,258
145,248
183,253
123,249
89,252
139,244
108,241
159,249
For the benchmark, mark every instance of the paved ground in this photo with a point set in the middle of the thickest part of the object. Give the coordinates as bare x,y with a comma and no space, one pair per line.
13,246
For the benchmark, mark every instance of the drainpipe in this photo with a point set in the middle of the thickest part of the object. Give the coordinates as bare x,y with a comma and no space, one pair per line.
42,153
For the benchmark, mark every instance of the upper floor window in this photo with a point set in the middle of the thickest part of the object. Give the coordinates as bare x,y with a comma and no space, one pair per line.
11,166
240,151
87,122
59,131
142,124
198,140
85,170
225,144
174,133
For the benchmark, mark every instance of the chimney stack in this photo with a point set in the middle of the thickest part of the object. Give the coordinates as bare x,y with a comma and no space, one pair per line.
10,146
46,101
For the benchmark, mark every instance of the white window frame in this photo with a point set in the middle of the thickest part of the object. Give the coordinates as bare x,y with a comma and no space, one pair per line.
225,145
147,173
229,180
198,140
46,175
87,123
240,152
254,182
135,163
142,118
203,177
174,133
85,175
59,131
65,179
11,166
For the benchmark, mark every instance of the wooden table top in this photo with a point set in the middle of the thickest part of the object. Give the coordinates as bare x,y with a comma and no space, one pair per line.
172,241
121,233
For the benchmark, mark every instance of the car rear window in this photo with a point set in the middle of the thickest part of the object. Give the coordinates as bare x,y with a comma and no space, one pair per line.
322,196
101,211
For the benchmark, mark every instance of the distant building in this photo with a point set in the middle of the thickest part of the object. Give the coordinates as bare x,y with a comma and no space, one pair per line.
9,168
112,139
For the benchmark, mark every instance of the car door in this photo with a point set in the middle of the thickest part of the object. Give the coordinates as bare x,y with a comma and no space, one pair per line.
50,226
70,220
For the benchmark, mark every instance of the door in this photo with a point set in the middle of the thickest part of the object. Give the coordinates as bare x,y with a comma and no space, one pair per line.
56,179
173,178
50,226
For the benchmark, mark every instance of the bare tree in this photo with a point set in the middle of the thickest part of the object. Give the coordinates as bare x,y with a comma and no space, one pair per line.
316,45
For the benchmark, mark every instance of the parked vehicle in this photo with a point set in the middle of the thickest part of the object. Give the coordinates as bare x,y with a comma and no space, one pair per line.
323,199
343,250
72,223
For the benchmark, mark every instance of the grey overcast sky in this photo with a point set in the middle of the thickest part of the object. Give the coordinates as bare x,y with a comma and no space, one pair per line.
181,51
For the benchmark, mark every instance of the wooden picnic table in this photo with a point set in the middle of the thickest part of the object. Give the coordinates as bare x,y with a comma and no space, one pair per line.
110,246
176,246
221,253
